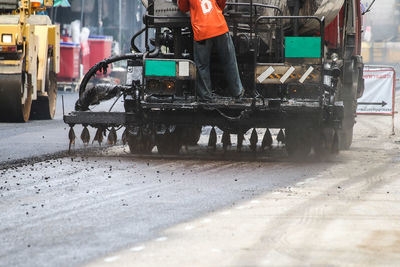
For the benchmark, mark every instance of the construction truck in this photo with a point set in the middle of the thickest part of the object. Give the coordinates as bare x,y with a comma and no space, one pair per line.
29,61
299,62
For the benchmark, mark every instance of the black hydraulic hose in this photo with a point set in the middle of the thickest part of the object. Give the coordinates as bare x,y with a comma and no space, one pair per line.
103,65
243,114
86,97
115,102
155,52
97,94
256,5
133,46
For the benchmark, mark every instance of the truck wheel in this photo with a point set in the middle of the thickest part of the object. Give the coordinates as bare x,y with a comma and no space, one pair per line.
298,142
348,95
345,138
141,143
191,135
346,133
324,142
169,143
15,97
44,108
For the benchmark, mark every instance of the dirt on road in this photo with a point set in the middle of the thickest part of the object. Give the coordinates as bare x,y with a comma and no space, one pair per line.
110,208
345,215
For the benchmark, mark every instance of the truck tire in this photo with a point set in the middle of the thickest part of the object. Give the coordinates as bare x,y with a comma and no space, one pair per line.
140,144
169,143
44,108
346,132
192,135
298,142
325,141
349,98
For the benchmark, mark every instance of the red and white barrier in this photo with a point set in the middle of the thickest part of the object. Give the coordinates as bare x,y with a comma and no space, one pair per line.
379,93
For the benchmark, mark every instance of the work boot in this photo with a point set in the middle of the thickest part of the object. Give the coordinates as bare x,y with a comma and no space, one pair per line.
240,96
209,99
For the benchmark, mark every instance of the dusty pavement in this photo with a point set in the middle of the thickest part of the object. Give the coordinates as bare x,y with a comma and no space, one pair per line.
22,142
35,139
342,213
110,208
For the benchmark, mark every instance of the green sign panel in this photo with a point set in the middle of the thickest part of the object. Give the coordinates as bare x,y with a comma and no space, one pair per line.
302,47
160,68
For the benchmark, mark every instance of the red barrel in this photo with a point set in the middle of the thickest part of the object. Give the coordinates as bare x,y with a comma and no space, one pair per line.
100,48
66,38
69,61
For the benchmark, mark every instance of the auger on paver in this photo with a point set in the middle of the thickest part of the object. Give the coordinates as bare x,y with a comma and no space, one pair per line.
253,140
226,141
99,136
280,137
301,74
85,135
71,137
267,140
124,137
212,141
112,136
240,139
172,138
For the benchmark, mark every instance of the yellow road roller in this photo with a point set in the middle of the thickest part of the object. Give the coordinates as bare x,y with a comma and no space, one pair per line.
29,61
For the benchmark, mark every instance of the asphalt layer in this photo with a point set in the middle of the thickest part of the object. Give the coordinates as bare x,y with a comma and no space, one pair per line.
67,211
20,141
36,140
60,209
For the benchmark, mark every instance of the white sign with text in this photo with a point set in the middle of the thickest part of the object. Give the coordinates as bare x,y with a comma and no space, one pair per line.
378,97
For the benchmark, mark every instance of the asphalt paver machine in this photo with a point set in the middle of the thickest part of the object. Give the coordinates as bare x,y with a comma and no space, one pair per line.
299,61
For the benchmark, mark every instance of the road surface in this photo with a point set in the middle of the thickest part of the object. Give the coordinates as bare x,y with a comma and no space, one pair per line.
37,140
106,207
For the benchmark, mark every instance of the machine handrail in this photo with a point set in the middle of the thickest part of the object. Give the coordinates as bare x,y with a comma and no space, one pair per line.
255,5
167,17
321,22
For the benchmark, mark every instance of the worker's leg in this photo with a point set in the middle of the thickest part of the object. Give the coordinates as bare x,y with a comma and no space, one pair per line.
227,55
202,51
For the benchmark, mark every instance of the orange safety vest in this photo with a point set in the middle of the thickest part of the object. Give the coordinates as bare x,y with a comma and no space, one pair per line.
206,17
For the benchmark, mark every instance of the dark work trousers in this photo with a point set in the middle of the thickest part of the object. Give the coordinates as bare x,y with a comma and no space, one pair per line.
227,57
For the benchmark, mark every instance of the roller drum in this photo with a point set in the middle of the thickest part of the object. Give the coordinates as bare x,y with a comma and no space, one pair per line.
15,98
